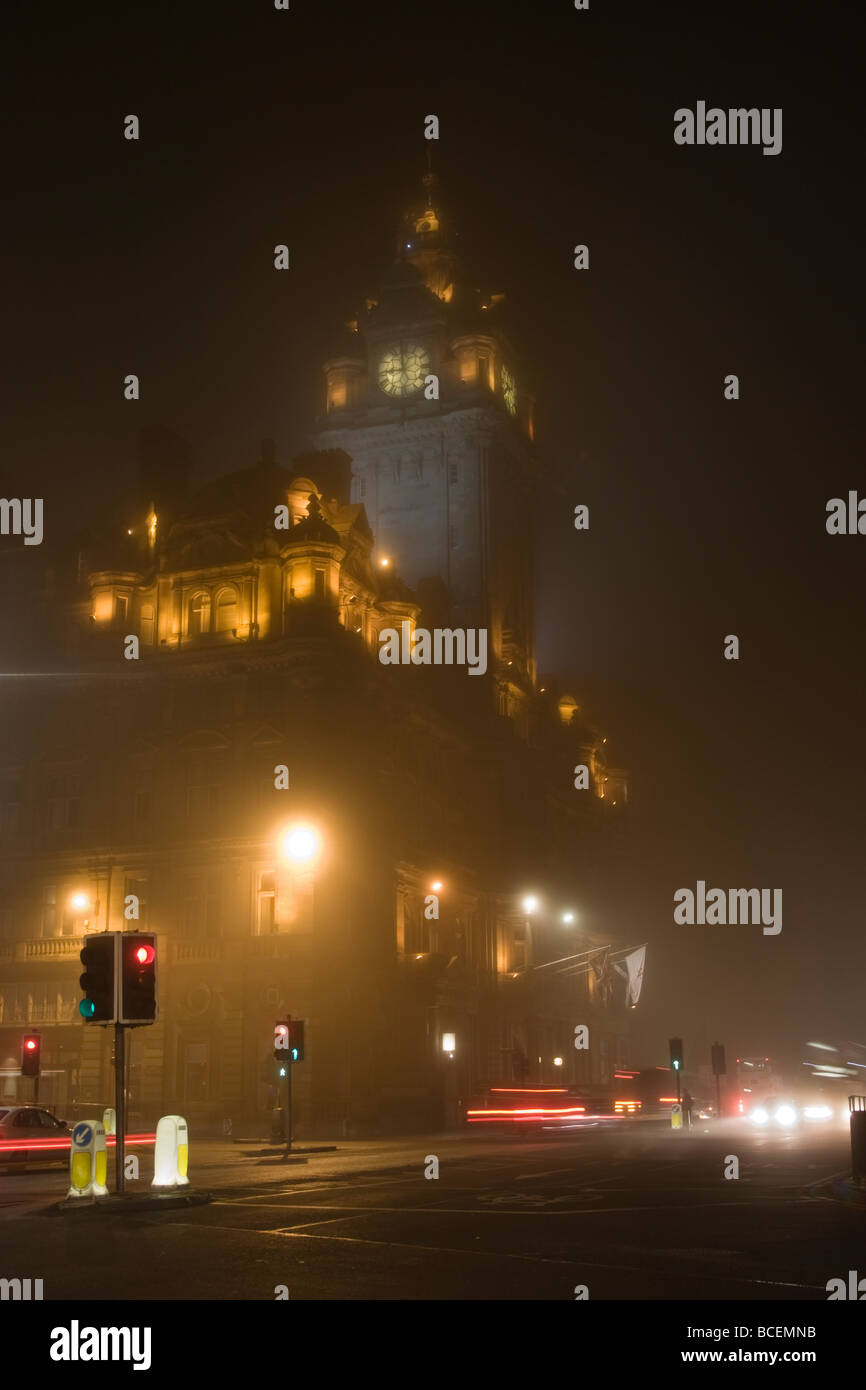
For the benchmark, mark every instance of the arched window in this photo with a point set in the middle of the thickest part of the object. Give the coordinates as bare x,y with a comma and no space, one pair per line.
226,610
199,614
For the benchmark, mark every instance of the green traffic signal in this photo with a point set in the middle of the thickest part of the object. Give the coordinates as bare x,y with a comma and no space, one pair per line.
87,1008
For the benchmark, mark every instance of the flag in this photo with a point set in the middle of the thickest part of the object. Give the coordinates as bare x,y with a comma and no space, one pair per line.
634,967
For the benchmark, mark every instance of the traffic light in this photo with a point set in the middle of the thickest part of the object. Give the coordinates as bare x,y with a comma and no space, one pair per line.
31,1054
718,1055
676,1047
137,978
296,1039
97,957
289,1040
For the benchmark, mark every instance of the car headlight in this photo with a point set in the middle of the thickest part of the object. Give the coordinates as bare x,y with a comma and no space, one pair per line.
786,1115
817,1112
759,1116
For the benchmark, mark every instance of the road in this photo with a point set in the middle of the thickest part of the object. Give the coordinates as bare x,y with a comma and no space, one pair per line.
629,1213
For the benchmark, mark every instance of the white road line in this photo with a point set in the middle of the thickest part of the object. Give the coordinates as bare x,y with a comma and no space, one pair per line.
489,1211
503,1255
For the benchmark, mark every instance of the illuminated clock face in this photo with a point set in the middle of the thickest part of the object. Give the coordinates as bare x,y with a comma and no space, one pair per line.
509,391
402,370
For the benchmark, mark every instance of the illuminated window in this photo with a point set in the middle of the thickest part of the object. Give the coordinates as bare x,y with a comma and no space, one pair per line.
121,607
266,921
227,610
147,624
320,586
199,615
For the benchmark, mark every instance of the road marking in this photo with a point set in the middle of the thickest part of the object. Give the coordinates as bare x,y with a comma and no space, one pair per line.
487,1211
288,1234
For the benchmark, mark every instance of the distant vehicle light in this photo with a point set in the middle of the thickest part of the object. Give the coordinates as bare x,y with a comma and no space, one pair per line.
759,1116
817,1112
786,1115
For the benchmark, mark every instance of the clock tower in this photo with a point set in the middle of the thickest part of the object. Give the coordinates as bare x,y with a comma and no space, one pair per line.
428,396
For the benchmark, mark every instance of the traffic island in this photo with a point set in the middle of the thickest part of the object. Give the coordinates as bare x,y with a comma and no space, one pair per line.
117,1203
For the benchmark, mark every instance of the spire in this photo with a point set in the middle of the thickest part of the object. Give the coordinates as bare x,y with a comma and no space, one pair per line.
425,239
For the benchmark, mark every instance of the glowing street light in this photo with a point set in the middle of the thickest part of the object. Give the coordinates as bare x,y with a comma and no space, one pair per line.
530,903
568,918
301,844
436,886
80,902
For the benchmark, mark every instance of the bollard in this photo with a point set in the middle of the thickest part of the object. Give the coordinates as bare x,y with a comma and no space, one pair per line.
857,1109
88,1161
171,1153
676,1117
109,1120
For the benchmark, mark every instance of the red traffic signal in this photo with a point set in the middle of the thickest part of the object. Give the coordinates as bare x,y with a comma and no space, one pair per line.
281,1038
137,978
31,1054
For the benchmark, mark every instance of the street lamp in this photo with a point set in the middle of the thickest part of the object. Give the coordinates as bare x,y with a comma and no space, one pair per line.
530,903
301,843
568,918
436,886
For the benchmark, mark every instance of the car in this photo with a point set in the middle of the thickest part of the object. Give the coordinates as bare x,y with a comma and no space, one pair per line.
786,1112
29,1134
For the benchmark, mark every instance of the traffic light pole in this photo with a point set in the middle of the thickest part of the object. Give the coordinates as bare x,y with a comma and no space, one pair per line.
289,1103
119,1107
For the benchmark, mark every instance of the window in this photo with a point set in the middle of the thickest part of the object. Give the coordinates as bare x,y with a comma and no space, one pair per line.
452,472
319,576
63,801
147,624
227,610
49,909
121,607
195,1071
202,789
12,798
137,885
199,615
266,921
518,954
141,807
362,488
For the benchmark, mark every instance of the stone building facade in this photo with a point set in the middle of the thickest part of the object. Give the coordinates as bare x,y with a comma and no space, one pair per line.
252,702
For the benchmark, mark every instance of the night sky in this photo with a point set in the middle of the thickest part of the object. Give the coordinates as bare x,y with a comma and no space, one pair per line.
707,516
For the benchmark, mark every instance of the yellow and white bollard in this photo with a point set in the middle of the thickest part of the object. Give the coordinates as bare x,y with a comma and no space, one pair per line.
171,1153
676,1117
88,1161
